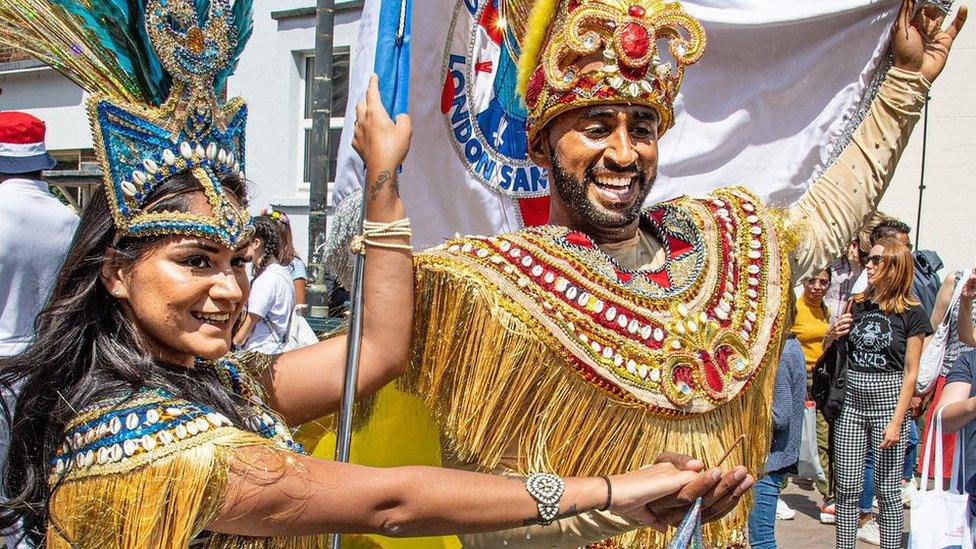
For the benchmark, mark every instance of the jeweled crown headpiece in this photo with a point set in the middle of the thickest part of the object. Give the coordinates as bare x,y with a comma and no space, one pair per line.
575,53
154,69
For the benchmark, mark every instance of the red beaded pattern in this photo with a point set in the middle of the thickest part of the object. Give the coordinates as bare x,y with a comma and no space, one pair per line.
683,339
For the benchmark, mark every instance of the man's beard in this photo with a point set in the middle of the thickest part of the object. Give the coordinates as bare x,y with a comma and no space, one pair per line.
573,193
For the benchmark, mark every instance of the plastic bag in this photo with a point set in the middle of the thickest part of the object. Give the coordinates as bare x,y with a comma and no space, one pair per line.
809,466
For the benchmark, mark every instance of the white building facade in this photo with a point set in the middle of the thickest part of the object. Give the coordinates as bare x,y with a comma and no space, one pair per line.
272,76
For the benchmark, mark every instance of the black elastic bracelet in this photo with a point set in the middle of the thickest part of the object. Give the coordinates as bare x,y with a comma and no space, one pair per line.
609,493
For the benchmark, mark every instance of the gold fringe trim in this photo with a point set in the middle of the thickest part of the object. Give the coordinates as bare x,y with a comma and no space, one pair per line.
498,391
163,504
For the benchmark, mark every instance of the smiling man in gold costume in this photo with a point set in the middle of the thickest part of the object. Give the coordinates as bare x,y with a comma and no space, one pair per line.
618,333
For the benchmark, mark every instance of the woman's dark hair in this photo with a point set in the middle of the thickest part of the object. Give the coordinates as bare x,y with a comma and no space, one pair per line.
266,229
85,349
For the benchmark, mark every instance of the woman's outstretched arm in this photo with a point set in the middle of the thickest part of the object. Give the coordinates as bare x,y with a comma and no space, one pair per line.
304,496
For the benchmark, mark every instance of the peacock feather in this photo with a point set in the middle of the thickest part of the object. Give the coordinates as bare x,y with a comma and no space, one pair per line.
103,45
243,16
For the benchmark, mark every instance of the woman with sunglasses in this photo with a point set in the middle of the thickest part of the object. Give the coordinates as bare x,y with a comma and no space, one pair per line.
810,328
883,347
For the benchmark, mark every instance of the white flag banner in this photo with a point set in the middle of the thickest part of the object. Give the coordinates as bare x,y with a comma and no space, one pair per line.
781,87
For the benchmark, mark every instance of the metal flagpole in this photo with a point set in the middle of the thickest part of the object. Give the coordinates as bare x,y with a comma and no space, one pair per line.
319,155
321,168
921,179
344,435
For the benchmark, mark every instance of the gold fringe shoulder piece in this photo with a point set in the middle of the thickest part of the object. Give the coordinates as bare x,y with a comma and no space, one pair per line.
512,334
149,471
163,503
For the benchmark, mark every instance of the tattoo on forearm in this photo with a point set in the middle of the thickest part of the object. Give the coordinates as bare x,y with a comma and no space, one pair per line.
383,179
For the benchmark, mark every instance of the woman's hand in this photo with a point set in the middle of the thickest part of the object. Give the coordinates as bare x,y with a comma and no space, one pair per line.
919,44
720,492
915,406
633,491
969,287
840,327
892,434
381,143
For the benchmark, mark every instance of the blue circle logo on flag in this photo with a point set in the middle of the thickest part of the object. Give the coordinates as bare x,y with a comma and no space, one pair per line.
482,112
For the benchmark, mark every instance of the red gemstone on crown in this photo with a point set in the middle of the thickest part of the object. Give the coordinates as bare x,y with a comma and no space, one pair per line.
634,40
633,74
636,11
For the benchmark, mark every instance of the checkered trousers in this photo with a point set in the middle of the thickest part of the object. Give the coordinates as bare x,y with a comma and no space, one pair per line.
868,407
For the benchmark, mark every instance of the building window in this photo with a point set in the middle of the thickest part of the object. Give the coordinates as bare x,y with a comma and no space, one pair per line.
69,160
340,95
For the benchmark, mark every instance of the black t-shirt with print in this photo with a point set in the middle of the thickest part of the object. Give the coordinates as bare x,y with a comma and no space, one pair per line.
878,340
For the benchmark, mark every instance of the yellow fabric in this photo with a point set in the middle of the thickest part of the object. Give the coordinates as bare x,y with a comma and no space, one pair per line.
643,252
810,327
400,431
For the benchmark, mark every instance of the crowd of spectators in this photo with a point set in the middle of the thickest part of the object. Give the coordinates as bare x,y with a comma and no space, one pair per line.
870,314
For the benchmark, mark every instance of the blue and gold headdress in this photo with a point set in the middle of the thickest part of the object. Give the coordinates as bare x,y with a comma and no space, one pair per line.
155,69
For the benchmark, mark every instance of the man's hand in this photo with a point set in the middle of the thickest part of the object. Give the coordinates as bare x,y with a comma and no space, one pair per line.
720,493
918,43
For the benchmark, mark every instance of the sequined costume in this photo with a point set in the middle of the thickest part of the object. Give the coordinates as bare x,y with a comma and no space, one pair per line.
149,470
536,350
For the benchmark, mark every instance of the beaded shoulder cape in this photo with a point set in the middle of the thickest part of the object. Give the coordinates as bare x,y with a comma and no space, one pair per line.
536,351
150,469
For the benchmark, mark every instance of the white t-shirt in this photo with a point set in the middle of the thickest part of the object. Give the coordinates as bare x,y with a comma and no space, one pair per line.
273,299
35,232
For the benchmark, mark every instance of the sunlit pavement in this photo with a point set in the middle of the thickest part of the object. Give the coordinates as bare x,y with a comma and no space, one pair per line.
805,530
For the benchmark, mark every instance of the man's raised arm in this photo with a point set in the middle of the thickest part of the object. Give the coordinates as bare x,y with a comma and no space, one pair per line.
837,204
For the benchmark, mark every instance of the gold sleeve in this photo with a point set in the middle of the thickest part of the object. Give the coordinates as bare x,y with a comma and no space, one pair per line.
836,205
163,502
